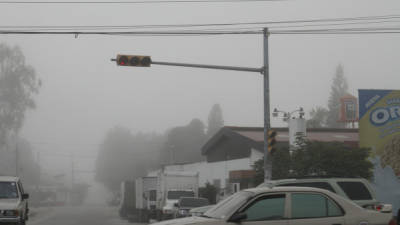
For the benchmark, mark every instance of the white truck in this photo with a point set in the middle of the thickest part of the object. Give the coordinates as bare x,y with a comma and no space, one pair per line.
146,198
155,197
138,199
171,186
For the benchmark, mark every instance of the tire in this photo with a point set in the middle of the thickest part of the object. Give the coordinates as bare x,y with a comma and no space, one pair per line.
22,222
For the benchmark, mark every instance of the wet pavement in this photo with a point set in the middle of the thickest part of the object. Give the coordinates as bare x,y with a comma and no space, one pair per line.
79,215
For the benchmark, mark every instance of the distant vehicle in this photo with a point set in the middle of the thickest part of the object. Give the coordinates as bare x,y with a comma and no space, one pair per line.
185,204
127,205
13,201
287,206
155,197
358,190
199,210
174,185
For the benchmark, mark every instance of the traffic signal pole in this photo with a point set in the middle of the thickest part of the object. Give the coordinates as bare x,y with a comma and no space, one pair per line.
263,70
267,120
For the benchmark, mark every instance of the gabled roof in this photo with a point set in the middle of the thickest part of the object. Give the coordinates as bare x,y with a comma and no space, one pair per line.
254,136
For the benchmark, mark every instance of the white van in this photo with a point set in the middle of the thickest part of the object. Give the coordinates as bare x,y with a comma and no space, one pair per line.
13,201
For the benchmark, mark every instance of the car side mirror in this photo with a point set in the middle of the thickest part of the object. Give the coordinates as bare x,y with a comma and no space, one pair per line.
25,196
237,217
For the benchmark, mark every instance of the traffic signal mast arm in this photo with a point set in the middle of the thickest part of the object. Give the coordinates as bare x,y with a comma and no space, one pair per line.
206,66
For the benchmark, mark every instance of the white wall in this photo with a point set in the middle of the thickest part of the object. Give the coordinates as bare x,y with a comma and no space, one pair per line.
216,170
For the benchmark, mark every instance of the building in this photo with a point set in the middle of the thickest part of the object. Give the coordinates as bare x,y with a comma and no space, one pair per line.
231,153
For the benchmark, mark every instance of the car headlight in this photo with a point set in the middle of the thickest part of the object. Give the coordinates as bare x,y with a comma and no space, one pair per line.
11,213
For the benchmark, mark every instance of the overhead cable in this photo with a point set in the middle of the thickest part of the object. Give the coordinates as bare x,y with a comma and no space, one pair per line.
305,22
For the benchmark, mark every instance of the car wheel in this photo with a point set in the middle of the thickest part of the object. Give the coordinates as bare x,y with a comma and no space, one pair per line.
22,222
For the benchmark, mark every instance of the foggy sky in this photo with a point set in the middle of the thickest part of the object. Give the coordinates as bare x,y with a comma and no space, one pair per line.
84,94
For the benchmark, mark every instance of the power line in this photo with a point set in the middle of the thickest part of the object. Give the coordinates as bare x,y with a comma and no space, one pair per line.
136,2
262,23
137,33
208,32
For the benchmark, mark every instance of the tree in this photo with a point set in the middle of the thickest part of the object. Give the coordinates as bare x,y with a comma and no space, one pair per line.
209,192
18,85
29,170
339,88
318,159
331,159
184,143
124,156
280,166
319,116
215,120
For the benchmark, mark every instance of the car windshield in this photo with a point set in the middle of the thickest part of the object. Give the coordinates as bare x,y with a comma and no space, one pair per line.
193,202
8,190
229,205
177,194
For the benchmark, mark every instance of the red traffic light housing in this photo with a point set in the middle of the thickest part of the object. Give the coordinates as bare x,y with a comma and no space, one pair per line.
133,60
271,141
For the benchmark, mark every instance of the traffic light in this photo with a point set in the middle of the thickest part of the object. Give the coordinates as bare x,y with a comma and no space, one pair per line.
133,60
271,141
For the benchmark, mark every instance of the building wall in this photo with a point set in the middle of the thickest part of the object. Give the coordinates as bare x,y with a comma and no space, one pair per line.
216,172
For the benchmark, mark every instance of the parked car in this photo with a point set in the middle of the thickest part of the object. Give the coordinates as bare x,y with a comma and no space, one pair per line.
288,206
13,201
358,190
199,210
185,204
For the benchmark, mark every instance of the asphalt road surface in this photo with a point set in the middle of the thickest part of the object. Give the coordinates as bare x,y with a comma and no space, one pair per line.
81,215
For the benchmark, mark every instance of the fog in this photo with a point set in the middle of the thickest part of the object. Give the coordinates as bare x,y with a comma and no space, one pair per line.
84,94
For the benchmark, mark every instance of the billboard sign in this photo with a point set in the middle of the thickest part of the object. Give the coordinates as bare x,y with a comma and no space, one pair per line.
379,113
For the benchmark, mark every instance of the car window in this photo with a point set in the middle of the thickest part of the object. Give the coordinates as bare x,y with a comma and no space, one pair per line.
322,185
355,190
178,194
153,195
309,205
271,207
193,202
8,190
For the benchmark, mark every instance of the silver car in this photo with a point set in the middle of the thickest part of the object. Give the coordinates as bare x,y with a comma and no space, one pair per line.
13,201
288,206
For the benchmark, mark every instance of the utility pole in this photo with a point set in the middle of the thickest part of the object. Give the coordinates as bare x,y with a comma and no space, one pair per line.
40,170
145,61
267,121
16,156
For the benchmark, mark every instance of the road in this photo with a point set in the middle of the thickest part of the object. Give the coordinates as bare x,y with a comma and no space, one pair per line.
82,215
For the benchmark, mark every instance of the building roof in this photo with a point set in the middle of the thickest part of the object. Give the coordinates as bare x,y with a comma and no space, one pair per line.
313,134
255,135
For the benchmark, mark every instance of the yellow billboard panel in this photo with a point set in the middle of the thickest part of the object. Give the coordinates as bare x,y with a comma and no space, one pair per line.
379,115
